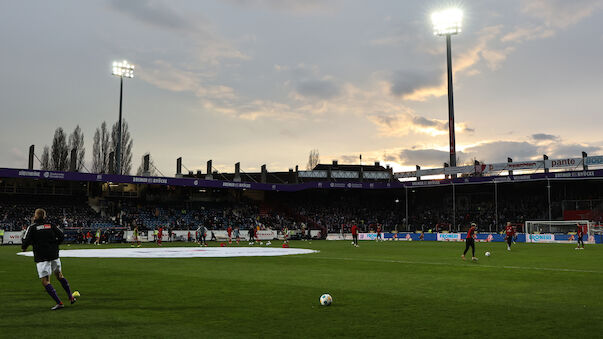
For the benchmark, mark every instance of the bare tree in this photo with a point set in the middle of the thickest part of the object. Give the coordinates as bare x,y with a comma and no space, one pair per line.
59,151
313,159
100,150
76,140
45,165
97,163
126,146
152,170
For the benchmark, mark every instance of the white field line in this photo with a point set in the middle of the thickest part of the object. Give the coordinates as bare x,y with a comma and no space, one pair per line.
407,262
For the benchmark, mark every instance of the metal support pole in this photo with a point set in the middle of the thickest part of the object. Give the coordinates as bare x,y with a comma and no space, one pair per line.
406,201
454,207
450,105
118,150
548,186
495,207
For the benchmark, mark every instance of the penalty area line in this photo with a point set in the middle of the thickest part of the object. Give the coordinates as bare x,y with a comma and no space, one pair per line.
407,262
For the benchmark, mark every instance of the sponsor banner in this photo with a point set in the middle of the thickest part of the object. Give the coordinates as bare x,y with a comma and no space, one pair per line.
449,237
431,171
541,238
266,234
182,235
459,169
193,182
367,236
404,175
481,237
559,238
564,163
402,236
514,166
339,236
335,236
487,237
579,174
598,160
407,236
12,238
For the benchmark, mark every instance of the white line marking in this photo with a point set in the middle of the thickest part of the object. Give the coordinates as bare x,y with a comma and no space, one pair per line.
461,265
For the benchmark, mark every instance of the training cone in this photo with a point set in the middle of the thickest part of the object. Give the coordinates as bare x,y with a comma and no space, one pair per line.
222,245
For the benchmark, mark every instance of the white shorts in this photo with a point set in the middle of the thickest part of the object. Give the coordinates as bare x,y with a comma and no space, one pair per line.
46,268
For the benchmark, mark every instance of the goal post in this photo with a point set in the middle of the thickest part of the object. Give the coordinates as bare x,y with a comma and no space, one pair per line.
553,231
559,227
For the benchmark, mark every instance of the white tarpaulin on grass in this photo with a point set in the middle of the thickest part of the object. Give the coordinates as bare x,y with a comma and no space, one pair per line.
179,252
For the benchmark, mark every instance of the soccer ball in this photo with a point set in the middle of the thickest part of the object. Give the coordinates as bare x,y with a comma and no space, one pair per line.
268,243
75,294
487,254
326,299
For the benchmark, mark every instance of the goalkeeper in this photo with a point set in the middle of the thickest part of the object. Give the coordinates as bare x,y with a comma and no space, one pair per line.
579,235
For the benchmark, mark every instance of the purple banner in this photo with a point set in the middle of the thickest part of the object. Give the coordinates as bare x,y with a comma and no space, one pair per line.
202,183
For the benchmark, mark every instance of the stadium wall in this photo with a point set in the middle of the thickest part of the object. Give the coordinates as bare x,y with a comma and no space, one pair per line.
458,237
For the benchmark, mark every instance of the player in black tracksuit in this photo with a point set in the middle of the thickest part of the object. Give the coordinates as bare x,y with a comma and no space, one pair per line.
252,237
45,239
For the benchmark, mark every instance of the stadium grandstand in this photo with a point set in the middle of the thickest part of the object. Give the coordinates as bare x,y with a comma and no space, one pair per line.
328,199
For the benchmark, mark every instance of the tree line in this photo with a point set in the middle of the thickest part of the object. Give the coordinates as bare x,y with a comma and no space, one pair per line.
57,156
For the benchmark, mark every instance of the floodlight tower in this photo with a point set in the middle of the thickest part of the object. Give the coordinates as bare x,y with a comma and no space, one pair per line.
447,23
122,69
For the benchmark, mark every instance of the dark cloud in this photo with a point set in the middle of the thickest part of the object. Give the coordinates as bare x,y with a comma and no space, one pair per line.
152,13
350,159
543,137
389,121
406,82
498,151
390,158
318,89
422,121
490,152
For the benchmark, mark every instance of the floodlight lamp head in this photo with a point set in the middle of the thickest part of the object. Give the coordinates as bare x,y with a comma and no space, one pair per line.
123,69
447,22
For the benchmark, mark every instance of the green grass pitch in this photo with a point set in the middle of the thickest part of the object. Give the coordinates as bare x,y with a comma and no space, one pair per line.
390,289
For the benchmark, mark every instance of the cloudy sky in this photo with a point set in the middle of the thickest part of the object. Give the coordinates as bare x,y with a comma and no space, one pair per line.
266,81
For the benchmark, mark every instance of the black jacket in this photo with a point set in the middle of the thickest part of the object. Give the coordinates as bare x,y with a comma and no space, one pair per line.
45,239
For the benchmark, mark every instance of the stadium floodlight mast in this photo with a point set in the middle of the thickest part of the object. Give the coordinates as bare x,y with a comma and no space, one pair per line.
447,23
122,69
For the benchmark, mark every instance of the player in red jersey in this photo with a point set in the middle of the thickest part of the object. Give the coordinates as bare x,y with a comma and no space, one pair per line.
355,235
579,235
470,241
229,230
510,233
159,236
379,233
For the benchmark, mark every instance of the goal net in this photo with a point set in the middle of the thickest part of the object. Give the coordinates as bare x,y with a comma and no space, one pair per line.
561,227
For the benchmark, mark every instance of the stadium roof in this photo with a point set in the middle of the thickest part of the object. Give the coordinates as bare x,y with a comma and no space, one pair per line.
289,187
